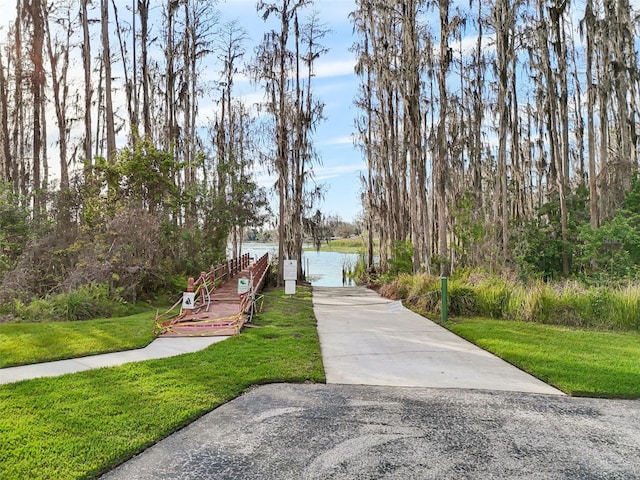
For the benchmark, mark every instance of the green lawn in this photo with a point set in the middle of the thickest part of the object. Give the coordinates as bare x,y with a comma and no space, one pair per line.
81,425
346,245
24,343
579,362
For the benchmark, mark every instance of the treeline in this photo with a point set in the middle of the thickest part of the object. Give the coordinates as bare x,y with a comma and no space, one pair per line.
148,184
500,134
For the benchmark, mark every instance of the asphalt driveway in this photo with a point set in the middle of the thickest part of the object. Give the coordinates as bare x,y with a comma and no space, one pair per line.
299,432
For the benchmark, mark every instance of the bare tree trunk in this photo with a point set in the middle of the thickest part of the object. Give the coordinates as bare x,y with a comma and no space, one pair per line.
88,87
503,18
108,89
413,131
128,83
143,11
18,167
441,163
37,90
7,160
60,87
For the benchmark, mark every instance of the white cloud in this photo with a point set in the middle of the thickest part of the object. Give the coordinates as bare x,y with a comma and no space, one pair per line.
265,179
345,140
326,173
335,68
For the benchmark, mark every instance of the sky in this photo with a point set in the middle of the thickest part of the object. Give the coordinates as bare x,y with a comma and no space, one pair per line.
336,86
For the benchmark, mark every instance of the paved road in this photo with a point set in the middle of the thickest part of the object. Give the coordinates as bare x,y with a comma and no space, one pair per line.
368,340
347,431
324,432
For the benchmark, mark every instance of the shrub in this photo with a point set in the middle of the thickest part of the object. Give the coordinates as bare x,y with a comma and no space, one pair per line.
462,299
90,301
38,310
627,311
480,294
397,288
492,296
402,259
424,293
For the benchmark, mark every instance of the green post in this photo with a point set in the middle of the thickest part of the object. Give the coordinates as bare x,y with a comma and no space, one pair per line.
444,299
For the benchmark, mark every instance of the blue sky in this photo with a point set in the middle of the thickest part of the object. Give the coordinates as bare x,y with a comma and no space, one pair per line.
336,86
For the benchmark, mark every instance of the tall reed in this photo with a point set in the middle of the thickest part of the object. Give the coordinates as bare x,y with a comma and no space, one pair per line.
566,303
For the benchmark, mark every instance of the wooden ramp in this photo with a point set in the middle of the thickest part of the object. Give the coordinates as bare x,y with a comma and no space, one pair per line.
212,304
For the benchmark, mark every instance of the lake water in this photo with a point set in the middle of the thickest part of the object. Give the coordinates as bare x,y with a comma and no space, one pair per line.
323,269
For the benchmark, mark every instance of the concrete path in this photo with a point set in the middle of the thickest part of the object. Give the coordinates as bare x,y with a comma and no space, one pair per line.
349,432
369,340
159,348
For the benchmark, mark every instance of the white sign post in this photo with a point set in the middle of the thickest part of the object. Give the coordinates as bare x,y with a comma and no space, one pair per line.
243,285
290,275
188,300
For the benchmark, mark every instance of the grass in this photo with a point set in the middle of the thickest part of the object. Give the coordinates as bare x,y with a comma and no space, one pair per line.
24,343
82,425
347,245
477,293
580,362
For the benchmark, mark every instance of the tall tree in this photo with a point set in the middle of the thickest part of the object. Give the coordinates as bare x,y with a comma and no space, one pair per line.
5,138
58,54
274,63
88,85
109,118
35,11
442,155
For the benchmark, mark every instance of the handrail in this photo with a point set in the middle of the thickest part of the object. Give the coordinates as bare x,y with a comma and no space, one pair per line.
203,288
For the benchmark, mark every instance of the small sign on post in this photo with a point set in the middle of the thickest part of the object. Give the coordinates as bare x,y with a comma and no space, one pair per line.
243,285
290,270
290,275
188,300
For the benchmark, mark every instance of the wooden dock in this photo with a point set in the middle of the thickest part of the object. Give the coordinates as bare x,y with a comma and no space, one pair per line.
219,302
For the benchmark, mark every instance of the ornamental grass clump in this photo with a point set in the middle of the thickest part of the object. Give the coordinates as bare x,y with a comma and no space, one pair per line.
627,313
397,288
521,304
492,296
462,299
477,293
424,293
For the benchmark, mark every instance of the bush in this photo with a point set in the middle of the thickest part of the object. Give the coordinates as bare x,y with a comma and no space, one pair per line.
90,301
492,296
402,259
628,312
479,294
38,310
424,293
462,299
397,288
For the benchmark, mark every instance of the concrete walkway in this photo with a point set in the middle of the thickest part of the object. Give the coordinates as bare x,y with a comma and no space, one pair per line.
159,348
369,340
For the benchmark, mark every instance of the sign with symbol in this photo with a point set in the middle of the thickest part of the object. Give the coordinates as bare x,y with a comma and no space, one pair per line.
243,285
290,270
188,300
